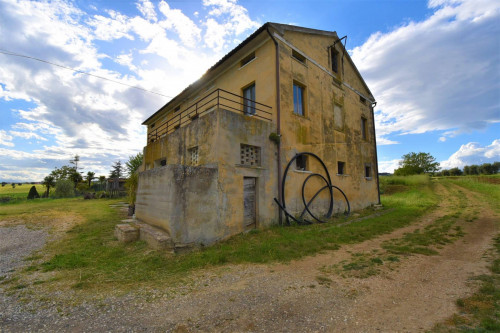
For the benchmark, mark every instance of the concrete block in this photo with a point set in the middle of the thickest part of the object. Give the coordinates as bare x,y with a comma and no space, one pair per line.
156,238
126,233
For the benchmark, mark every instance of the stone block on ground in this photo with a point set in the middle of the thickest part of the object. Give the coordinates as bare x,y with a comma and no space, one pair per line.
126,233
155,237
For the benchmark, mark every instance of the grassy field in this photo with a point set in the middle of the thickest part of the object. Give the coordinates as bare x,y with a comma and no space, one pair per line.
89,257
20,192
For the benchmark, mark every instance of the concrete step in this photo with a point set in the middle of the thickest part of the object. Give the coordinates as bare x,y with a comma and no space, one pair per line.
155,237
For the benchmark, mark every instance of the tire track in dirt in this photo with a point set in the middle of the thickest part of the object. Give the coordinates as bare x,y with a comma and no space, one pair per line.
420,293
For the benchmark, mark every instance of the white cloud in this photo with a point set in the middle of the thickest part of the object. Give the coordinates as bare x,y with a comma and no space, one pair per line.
473,153
388,166
438,74
147,9
5,139
94,118
27,135
188,31
226,18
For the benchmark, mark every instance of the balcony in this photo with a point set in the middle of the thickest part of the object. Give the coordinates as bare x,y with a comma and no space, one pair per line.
218,99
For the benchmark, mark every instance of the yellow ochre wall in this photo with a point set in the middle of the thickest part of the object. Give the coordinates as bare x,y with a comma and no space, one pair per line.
218,136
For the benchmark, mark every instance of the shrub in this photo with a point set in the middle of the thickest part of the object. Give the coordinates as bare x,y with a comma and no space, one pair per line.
64,189
33,193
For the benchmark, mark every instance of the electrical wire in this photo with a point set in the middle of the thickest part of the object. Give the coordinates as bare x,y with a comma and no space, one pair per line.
79,71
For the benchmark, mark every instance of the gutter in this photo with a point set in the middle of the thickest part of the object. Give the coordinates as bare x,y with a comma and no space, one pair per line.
278,120
376,155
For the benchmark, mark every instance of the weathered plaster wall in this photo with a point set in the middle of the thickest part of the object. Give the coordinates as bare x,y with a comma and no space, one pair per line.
236,129
182,200
333,137
203,204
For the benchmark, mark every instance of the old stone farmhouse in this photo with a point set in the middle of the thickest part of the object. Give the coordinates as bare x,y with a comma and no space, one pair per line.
217,152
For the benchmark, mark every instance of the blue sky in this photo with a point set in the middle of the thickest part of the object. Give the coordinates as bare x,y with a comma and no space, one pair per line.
433,66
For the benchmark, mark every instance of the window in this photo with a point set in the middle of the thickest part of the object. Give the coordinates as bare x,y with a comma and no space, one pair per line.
368,171
362,100
298,56
298,99
177,108
249,100
247,59
152,125
301,163
335,61
340,168
163,162
249,155
193,155
364,134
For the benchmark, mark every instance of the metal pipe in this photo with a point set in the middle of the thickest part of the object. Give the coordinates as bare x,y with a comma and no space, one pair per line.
278,120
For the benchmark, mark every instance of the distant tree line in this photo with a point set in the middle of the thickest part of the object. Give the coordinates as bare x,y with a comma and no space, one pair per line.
471,170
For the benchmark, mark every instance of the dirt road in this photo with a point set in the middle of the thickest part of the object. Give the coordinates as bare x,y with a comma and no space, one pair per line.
410,294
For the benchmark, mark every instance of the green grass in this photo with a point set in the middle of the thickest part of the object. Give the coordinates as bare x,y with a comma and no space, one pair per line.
481,311
490,192
17,194
90,257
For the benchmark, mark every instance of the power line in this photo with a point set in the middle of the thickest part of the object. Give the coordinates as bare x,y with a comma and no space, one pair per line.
79,71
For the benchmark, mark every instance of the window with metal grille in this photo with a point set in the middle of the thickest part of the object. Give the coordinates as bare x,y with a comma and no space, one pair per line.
193,155
249,155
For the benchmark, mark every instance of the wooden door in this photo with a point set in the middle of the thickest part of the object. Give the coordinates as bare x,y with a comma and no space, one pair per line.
249,202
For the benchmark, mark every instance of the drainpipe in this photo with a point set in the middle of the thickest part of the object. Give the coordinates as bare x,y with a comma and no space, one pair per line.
376,155
278,120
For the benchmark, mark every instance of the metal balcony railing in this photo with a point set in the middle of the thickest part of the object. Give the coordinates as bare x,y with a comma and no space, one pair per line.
218,99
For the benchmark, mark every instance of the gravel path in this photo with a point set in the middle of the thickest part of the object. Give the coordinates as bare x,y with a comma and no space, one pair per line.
16,243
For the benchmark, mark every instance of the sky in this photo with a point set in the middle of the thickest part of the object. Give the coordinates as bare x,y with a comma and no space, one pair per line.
433,67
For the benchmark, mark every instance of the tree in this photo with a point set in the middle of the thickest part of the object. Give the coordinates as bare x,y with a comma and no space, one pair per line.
474,169
33,193
75,161
486,169
49,182
62,173
75,177
496,167
90,176
455,172
417,163
134,162
116,171
466,170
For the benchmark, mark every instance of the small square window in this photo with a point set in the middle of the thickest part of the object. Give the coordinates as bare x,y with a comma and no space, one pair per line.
163,162
364,128
340,168
298,99
298,56
249,99
368,171
177,108
301,163
362,100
